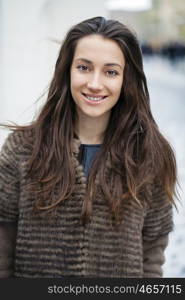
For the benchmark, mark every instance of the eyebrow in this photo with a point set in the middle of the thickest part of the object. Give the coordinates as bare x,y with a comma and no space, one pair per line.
106,65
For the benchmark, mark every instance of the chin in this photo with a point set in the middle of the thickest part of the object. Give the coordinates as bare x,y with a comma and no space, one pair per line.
94,115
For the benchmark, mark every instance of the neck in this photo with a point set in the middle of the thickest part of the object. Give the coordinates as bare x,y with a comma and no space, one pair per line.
91,130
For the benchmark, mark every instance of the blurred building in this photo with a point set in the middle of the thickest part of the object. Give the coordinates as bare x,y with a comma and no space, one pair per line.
160,22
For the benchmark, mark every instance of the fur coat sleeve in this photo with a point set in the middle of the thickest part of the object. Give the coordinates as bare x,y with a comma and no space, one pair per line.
158,224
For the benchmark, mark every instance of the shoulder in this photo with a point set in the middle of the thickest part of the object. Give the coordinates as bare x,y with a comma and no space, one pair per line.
158,197
17,143
18,138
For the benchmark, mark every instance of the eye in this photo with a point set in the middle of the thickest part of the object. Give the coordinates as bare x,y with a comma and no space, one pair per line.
82,68
112,73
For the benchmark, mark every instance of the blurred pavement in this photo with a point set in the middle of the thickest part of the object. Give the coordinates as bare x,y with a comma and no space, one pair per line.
166,82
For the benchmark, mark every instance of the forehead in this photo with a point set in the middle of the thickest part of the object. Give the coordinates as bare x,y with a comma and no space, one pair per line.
99,49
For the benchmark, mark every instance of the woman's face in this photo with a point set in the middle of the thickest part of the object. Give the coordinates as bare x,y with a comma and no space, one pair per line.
96,75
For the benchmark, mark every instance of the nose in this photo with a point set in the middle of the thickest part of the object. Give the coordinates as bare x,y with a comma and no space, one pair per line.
95,83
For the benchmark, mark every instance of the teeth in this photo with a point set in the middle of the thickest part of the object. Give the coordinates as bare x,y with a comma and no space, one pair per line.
94,98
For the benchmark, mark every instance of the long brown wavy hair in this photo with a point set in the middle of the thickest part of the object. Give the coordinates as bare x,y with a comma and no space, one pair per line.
138,151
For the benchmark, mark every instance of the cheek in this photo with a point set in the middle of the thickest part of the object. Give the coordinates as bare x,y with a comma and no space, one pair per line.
76,81
115,87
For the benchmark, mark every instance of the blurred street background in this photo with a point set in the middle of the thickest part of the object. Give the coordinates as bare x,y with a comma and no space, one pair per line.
30,37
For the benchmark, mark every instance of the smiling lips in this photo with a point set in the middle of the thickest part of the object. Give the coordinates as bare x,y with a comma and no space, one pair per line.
93,98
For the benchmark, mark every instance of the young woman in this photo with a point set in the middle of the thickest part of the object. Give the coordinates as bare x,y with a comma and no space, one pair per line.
88,188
